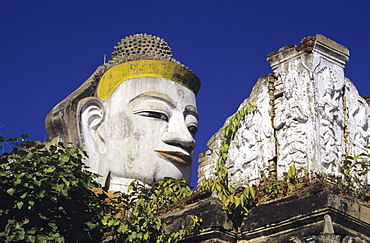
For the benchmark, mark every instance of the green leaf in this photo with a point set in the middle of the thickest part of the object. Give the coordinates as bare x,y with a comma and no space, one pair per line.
31,203
24,136
252,192
65,192
64,157
58,187
18,181
289,173
41,194
19,204
236,201
91,225
31,238
27,157
122,228
49,170
53,225
10,191
66,182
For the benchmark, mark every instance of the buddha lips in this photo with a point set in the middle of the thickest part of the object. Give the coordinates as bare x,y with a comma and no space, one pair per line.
177,158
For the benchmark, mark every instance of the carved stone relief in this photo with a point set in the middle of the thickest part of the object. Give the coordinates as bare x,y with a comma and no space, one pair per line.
330,117
293,118
358,122
253,145
308,115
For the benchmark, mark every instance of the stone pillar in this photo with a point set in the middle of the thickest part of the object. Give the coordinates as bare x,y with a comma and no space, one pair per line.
309,114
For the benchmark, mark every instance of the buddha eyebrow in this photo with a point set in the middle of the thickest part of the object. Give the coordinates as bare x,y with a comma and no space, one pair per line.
192,110
156,95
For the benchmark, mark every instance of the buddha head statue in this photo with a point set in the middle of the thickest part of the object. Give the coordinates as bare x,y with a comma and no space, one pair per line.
136,116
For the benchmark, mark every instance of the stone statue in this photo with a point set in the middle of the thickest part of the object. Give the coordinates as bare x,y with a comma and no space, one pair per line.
136,116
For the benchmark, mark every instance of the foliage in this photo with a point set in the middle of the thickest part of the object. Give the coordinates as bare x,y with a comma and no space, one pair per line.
270,188
236,201
354,180
45,195
135,215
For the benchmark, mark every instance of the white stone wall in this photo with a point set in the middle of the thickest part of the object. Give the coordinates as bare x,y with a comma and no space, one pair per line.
255,135
308,115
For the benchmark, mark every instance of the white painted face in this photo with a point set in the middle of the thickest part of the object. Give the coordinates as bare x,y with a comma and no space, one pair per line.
148,131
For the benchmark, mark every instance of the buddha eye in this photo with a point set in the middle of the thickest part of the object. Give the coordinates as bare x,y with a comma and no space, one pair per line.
193,129
153,114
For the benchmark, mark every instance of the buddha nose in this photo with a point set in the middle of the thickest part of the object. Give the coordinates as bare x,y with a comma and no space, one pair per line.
179,135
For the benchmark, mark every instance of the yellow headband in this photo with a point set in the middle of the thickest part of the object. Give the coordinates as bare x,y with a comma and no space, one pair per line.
146,68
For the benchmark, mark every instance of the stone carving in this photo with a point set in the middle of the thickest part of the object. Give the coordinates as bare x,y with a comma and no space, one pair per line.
330,111
255,136
358,122
328,235
292,120
135,116
308,115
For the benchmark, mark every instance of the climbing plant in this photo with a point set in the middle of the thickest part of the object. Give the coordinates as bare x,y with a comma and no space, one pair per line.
236,201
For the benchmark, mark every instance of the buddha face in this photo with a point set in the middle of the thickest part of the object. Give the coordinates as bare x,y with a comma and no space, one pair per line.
147,132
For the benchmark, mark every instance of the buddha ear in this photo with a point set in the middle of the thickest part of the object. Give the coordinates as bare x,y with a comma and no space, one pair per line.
91,114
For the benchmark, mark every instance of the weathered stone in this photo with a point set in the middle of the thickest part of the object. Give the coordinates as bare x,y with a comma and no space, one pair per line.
309,115
316,213
216,226
136,116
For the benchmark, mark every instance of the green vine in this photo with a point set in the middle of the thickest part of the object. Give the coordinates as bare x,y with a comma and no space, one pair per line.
236,201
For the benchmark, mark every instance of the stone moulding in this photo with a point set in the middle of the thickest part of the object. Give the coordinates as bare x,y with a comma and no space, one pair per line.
314,214
305,216
215,223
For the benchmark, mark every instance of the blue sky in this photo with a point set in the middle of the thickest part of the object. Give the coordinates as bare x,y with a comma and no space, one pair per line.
49,48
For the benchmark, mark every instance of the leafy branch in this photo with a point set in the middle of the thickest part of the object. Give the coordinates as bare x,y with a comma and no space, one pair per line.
45,194
134,217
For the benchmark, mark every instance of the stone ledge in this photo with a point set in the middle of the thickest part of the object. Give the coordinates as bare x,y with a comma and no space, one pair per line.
315,214
303,215
209,209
